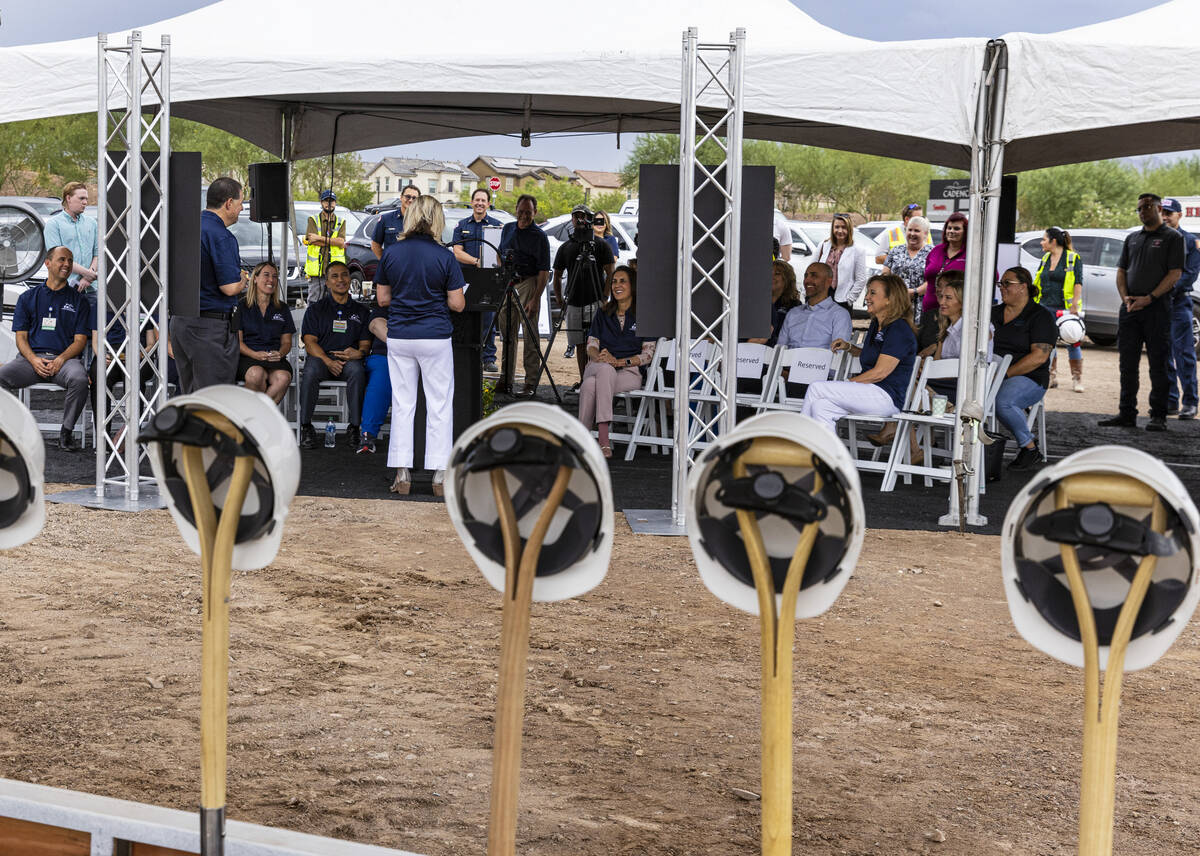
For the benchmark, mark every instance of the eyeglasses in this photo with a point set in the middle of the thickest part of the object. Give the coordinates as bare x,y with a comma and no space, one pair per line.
410,197
1010,283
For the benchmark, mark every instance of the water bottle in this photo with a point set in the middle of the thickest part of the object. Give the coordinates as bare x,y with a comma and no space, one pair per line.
330,434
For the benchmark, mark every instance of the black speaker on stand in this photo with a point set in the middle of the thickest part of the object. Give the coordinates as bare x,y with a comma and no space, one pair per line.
1006,229
269,192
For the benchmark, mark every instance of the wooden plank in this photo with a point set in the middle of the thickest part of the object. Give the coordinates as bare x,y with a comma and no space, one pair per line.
38,839
154,850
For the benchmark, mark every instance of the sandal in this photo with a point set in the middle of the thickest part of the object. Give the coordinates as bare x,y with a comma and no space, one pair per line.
403,482
606,451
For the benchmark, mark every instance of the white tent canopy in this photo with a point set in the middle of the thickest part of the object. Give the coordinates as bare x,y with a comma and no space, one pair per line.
241,64
1125,87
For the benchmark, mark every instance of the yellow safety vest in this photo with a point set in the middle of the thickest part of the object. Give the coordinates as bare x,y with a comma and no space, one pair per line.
897,238
313,266
1068,280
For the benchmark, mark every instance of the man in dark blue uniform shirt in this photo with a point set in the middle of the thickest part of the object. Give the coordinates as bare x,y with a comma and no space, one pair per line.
336,341
1181,362
470,254
391,222
531,251
1150,265
205,349
51,324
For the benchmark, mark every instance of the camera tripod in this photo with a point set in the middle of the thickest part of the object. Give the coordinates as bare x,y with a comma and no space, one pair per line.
512,300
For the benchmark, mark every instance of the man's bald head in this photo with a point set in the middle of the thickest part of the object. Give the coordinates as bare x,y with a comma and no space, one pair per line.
818,277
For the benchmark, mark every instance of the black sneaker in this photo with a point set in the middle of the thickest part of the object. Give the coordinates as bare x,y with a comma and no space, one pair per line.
1156,423
1172,409
66,441
308,436
1118,421
1026,459
366,444
353,435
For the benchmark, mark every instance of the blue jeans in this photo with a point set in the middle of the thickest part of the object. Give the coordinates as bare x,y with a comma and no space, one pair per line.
1181,362
489,337
378,396
1016,395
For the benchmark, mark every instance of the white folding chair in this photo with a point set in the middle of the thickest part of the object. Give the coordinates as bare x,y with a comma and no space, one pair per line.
651,425
804,366
635,400
755,363
856,422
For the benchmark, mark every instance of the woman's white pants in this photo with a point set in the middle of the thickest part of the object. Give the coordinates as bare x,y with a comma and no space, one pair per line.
433,361
830,400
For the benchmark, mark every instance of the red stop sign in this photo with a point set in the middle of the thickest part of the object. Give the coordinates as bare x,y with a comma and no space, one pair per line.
494,182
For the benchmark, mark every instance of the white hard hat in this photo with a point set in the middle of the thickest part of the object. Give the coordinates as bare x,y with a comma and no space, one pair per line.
1070,328
22,462
529,442
267,438
783,500
1109,540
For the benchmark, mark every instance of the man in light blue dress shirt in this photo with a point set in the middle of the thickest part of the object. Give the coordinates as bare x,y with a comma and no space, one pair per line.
77,231
818,321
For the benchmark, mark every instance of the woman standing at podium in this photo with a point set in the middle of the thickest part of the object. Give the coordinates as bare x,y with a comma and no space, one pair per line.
420,283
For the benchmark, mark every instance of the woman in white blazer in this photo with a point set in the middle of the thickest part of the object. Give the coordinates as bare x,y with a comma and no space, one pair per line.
849,262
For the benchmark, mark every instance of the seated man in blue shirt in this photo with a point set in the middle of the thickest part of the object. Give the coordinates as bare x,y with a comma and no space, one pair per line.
52,322
334,332
818,321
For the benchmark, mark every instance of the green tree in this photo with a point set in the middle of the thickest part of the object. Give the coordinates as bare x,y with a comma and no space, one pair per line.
221,153
610,202
1177,178
1080,195
556,196
38,156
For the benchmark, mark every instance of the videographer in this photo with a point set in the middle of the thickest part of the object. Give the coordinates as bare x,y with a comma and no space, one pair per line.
530,251
588,263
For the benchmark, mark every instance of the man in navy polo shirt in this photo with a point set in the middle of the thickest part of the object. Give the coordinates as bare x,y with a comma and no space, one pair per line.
205,349
391,223
1181,361
336,341
470,254
51,323
531,253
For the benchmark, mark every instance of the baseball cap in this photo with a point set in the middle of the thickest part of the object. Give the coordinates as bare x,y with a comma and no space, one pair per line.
581,209
328,194
1172,204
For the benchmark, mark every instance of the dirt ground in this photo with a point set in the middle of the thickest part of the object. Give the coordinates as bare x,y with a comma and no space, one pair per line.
363,686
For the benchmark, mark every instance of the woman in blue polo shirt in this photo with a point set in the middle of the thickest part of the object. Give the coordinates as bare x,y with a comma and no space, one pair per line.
615,352
265,327
886,357
420,282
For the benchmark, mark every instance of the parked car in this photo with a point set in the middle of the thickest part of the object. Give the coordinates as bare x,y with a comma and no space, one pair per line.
1100,250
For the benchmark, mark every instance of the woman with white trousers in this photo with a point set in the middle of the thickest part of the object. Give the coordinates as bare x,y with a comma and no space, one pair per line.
420,283
848,262
887,357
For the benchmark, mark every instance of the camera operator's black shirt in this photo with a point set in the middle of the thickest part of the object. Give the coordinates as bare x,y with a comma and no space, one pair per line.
589,289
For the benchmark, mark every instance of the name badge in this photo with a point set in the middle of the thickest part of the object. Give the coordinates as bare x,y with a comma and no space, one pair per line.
339,325
50,323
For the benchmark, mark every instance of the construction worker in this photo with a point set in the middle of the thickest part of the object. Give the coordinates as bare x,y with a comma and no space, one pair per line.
1059,279
325,237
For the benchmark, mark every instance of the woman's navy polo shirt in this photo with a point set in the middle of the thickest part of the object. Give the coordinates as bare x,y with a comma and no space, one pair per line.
262,331
420,273
52,318
897,340
620,341
337,326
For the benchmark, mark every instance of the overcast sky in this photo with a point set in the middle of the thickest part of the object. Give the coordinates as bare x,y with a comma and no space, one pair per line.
24,22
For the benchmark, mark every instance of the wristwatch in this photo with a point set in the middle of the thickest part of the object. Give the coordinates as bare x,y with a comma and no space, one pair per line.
628,361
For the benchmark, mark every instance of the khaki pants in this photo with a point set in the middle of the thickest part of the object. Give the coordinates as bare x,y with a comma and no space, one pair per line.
508,322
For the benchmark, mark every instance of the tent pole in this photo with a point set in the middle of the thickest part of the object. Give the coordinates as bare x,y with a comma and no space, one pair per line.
987,167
